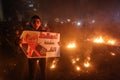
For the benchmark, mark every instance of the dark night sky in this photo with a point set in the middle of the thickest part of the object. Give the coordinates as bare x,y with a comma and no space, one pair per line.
81,7
69,8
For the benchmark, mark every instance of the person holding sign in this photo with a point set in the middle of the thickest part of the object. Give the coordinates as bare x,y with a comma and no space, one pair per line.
36,26
32,51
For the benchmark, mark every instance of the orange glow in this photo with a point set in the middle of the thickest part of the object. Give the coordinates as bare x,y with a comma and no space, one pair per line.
77,59
98,40
73,61
87,64
71,45
77,68
52,66
113,54
88,58
112,42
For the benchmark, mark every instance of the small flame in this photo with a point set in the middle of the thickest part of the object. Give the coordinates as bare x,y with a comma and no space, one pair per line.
73,61
98,40
71,45
112,42
113,54
87,64
52,66
77,59
78,68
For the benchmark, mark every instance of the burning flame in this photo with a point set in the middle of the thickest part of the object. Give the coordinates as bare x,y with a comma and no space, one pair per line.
98,40
77,59
52,66
87,64
112,42
73,61
113,54
71,45
78,68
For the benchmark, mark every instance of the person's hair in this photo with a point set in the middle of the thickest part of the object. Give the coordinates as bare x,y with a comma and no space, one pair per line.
35,17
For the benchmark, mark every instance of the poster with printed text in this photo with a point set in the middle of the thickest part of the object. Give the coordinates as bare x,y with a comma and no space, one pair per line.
40,44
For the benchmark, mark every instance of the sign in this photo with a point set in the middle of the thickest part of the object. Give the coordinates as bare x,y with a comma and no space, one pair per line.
40,44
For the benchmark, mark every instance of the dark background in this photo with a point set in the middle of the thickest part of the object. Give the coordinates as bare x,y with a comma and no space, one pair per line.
106,17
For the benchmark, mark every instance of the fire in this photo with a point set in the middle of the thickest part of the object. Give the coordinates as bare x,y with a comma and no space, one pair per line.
112,42
87,64
104,40
52,66
78,68
73,61
71,45
113,54
98,40
77,59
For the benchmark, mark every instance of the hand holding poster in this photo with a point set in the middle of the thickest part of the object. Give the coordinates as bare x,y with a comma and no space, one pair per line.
40,44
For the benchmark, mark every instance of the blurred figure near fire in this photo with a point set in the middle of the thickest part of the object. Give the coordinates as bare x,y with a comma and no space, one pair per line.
36,25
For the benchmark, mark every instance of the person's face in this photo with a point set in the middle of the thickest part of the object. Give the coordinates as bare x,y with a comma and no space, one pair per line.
36,23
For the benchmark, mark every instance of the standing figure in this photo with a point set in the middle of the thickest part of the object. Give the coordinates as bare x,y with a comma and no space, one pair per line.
37,66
